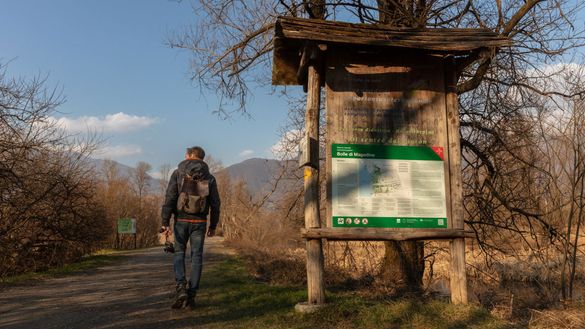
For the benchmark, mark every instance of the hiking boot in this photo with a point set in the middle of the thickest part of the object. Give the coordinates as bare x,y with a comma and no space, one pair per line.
190,303
181,297
191,300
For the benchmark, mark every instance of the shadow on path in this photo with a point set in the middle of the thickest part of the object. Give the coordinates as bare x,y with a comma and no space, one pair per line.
134,292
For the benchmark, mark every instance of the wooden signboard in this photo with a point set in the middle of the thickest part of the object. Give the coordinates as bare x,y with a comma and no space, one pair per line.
393,151
387,147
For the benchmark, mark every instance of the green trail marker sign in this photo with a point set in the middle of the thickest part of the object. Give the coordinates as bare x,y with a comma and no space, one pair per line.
388,186
127,226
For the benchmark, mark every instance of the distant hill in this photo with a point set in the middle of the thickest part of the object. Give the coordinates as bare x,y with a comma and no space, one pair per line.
124,171
260,175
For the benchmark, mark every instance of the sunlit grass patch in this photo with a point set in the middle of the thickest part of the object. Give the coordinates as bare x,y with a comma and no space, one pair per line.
231,297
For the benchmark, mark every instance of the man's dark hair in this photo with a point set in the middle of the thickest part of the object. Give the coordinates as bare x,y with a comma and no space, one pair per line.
196,151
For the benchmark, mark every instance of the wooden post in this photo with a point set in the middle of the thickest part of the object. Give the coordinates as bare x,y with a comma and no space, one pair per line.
458,276
316,290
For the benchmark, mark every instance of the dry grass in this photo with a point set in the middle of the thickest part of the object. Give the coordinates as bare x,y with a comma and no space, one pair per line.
571,317
522,287
358,258
280,267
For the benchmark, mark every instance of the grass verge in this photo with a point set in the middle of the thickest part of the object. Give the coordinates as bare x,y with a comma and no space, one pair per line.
231,298
99,258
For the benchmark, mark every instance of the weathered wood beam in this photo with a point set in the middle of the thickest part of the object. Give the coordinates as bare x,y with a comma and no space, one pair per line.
380,35
383,234
458,276
311,54
315,259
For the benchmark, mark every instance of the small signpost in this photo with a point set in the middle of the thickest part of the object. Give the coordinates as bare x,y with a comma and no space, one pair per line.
126,226
393,162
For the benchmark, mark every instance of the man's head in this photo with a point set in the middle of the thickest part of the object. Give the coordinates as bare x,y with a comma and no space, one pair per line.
195,153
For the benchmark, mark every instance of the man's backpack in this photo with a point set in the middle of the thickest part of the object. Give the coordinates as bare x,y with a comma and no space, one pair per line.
193,194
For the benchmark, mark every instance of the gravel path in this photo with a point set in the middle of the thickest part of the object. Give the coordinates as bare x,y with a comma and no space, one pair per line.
135,292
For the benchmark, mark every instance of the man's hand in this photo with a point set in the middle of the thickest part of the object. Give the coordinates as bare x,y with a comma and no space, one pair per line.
165,230
211,232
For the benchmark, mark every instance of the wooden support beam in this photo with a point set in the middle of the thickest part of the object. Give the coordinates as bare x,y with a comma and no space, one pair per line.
311,54
458,277
315,261
303,70
382,234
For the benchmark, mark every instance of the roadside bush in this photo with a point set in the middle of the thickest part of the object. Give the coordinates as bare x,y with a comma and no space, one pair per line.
48,211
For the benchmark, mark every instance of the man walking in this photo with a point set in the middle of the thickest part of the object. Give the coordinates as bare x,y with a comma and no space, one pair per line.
191,194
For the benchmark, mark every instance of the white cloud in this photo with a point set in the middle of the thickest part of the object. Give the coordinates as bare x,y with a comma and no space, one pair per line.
155,174
288,145
557,68
246,153
117,122
555,76
119,151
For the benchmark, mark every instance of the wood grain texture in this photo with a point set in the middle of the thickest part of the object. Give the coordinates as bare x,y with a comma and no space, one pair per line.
441,39
458,277
291,33
380,234
315,261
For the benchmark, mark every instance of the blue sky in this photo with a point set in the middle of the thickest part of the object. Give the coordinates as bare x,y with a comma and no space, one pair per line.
119,78
110,59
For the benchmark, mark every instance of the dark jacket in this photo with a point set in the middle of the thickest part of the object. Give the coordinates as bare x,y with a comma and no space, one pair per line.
172,195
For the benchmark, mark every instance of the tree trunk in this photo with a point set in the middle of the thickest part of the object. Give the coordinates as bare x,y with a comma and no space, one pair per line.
404,265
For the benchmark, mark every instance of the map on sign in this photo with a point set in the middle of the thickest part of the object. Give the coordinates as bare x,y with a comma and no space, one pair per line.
376,178
388,186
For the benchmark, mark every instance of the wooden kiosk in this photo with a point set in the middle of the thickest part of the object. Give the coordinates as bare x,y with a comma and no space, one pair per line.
393,162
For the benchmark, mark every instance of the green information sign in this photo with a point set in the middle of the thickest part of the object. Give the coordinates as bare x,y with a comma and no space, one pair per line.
388,186
127,226
391,152
390,222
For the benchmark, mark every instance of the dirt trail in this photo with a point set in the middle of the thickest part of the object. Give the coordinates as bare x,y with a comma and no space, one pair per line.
135,292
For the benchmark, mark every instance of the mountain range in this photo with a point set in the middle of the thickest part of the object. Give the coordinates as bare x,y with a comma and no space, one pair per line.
259,176
267,176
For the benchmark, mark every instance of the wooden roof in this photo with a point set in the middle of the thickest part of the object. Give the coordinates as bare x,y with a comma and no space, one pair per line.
291,32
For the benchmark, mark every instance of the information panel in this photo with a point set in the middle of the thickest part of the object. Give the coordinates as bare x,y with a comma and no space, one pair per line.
127,226
388,186
388,161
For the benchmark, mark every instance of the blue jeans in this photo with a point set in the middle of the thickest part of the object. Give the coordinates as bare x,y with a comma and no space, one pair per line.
194,232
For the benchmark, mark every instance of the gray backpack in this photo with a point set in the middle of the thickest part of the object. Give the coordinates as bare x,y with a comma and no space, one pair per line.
193,194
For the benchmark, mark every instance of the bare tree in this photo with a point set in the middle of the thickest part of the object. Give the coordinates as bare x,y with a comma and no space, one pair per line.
214,164
559,171
110,170
165,174
232,41
49,214
141,181
141,178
